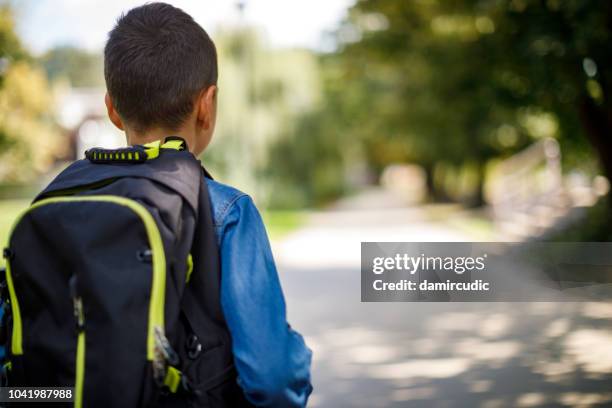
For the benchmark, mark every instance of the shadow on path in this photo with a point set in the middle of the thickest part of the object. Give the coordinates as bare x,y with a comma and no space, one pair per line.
486,355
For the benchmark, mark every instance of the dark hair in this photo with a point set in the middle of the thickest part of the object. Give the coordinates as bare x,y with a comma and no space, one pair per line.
156,61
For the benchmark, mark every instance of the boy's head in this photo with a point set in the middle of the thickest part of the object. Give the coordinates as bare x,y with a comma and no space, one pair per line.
160,68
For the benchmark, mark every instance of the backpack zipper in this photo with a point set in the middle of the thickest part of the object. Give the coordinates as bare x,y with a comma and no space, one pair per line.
79,316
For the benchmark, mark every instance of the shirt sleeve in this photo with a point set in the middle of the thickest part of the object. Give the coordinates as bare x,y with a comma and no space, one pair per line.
272,360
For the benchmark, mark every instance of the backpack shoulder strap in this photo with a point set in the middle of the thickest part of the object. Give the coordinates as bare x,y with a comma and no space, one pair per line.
178,170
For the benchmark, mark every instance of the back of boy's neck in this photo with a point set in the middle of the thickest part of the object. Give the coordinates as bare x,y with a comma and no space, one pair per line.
152,135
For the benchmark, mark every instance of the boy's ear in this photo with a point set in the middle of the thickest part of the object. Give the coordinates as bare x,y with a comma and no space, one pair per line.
112,113
207,107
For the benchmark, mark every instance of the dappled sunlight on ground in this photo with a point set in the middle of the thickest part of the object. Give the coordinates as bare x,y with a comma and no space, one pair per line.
486,355
591,350
420,368
463,359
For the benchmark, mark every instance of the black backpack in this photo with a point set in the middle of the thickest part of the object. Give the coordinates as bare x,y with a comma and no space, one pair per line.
112,285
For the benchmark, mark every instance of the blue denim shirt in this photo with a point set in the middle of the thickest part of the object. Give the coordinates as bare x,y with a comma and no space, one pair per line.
272,360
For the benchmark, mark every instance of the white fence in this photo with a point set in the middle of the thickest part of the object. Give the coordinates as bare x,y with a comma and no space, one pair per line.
529,194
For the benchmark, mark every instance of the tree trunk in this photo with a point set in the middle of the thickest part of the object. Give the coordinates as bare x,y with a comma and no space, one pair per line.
434,193
477,197
598,125
429,181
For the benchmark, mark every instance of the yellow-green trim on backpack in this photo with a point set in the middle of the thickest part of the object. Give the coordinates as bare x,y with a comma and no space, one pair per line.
16,339
172,379
152,149
174,144
189,267
80,370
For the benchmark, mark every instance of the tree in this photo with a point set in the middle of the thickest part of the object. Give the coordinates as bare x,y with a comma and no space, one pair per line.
81,68
560,51
258,99
29,138
460,82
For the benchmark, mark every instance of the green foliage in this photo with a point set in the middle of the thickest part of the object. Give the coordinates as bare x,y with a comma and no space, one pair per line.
259,98
10,49
29,138
79,67
594,226
280,223
9,43
461,82
456,72
308,164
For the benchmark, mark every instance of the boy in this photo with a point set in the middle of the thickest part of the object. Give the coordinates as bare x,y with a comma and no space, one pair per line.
160,68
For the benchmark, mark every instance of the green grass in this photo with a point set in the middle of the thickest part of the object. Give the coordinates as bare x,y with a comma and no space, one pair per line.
281,222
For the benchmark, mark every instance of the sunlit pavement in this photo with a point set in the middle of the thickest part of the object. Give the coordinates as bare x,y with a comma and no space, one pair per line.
433,354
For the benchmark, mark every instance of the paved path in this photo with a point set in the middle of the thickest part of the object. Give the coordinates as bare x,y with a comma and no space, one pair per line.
487,355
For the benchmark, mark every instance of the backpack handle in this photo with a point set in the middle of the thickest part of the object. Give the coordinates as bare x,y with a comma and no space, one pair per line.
132,154
136,153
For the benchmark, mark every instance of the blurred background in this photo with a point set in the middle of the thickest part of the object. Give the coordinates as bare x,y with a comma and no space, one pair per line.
373,120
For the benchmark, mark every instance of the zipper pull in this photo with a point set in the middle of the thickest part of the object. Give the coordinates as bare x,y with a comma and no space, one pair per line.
78,313
164,356
77,304
163,347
